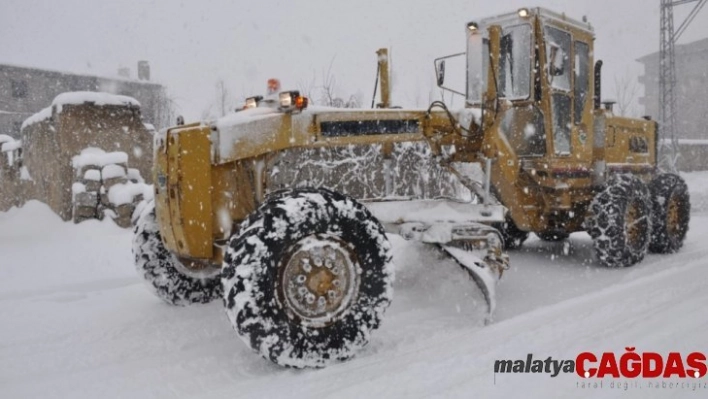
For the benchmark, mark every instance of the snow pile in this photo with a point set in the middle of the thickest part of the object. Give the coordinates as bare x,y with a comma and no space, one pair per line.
121,194
112,171
107,187
92,175
98,157
79,97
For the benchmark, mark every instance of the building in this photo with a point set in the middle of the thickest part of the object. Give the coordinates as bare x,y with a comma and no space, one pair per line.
691,89
24,91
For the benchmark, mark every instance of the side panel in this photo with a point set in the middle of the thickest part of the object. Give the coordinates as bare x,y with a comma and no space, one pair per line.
188,189
629,145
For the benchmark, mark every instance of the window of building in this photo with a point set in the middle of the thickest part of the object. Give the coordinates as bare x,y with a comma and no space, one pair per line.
19,88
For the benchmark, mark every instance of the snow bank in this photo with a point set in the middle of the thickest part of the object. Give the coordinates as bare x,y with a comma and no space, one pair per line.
79,97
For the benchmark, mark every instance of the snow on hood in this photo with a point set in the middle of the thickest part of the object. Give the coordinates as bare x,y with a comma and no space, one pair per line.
232,128
79,97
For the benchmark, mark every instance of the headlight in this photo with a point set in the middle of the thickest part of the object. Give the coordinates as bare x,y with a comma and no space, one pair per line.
252,102
292,100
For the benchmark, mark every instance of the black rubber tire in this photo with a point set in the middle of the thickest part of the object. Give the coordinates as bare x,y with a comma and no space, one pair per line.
608,213
513,237
253,264
664,188
161,270
553,237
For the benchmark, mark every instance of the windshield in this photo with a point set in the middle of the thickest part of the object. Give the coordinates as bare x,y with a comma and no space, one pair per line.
515,62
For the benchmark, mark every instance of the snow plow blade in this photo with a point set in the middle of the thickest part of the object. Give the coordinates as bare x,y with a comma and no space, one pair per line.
459,230
483,274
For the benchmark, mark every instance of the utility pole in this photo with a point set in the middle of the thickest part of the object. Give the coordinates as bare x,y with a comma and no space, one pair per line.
667,75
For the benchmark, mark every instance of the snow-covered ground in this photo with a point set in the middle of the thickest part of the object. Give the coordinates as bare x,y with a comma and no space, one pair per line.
75,322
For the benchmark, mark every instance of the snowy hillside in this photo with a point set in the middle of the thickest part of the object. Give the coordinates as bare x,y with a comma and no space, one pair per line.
76,322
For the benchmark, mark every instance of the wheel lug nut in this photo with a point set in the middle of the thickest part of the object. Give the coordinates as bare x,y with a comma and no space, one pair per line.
328,263
310,298
336,283
301,279
321,301
317,261
331,294
306,267
302,291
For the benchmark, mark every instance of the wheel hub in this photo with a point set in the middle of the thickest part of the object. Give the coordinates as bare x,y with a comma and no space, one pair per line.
319,280
673,216
635,221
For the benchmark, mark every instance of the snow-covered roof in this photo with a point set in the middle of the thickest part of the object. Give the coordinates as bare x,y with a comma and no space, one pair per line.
9,145
79,97
99,98
4,138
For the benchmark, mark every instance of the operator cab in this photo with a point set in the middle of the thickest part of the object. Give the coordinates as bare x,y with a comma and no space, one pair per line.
540,94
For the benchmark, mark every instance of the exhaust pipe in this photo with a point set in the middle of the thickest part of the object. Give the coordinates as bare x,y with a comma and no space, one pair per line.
598,84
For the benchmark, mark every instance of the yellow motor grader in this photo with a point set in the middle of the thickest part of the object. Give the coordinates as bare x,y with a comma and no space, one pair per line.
282,209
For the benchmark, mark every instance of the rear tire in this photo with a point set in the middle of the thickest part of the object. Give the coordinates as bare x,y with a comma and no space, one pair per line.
308,277
164,274
620,222
671,213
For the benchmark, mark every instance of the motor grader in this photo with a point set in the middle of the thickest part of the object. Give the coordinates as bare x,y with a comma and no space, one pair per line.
282,209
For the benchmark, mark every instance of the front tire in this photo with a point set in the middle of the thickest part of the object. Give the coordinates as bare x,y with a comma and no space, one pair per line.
308,278
620,223
164,274
671,213
512,236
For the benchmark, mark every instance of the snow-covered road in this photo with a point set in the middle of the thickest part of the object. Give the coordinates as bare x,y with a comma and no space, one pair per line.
75,321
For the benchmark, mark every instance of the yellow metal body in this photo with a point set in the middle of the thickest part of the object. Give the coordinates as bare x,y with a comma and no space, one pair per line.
211,177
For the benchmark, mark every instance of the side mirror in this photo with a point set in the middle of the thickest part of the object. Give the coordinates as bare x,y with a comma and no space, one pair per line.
440,72
556,65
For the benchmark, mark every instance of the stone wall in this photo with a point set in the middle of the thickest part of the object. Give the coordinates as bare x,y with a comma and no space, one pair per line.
48,147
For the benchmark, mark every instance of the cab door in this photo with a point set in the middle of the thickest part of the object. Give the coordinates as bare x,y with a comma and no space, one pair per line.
569,78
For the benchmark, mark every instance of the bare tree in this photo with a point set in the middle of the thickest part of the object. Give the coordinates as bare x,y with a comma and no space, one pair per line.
329,83
223,97
307,87
626,91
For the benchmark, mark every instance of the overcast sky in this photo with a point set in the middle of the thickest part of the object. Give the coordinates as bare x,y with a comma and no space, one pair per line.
192,44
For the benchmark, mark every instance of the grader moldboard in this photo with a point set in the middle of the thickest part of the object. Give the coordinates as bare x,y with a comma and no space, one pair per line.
295,202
